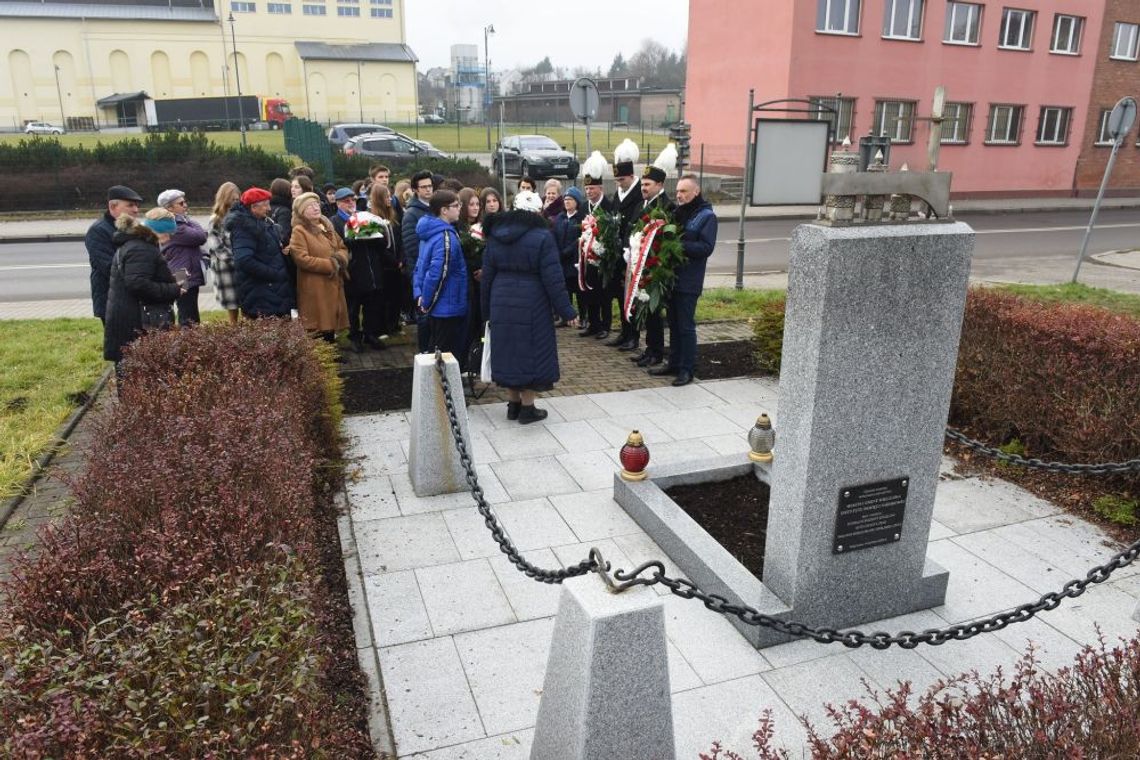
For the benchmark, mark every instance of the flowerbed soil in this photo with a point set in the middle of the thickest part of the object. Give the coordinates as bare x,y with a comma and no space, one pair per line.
734,512
377,390
733,358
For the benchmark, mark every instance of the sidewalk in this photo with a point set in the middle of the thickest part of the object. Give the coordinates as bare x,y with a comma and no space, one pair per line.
74,228
459,638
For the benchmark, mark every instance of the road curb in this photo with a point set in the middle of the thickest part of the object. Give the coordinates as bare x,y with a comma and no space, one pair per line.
1098,258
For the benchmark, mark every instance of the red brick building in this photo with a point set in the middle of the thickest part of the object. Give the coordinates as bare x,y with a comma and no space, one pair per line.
1117,74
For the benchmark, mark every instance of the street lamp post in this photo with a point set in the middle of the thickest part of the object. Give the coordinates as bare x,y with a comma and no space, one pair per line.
237,80
488,30
59,94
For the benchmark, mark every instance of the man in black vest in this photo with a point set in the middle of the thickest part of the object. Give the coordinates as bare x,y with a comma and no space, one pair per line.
654,195
628,202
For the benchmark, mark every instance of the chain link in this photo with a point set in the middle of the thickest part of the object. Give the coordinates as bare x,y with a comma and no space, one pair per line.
1103,468
653,573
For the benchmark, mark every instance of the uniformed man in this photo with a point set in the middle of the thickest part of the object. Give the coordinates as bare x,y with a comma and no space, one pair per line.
627,202
654,196
599,307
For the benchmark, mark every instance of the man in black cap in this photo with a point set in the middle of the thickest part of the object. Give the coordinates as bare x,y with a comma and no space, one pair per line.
100,250
627,201
599,305
654,196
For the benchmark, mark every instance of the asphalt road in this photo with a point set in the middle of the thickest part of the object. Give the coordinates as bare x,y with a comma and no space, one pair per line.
1036,247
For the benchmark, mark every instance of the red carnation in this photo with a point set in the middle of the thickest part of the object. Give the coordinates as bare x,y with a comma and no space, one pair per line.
652,261
657,244
645,218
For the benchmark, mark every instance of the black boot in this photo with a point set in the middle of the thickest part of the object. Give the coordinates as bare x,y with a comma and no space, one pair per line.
529,414
513,409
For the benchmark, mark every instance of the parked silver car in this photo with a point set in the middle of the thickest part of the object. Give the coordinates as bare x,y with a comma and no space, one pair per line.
339,134
42,128
392,148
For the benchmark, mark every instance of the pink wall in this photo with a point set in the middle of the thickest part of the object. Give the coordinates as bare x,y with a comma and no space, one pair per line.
868,67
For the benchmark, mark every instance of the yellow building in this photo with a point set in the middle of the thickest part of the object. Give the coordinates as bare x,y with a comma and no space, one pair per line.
332,60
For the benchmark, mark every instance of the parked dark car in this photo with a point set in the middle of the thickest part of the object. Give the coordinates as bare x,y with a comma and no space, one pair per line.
339,134
534,156
392,148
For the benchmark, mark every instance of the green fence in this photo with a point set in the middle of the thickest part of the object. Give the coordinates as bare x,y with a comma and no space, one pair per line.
307,140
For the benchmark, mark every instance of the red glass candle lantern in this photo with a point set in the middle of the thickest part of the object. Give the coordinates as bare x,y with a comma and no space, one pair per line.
634,458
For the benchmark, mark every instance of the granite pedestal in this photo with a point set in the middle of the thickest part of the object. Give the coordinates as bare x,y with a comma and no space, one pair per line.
870,345
606,690
433,460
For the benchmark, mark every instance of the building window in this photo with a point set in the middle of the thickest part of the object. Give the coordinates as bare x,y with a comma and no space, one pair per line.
963,20
1067,34
280,8
956,119
903,20
347,10
895,119
381,13
1005,125
1124,39
1016,29
315,10
841,120
1102,135
382,2
243,7
837,16
1053,125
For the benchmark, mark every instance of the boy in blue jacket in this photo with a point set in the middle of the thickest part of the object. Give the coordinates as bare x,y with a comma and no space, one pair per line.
439,283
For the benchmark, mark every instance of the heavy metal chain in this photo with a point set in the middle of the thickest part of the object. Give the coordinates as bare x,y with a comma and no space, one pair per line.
1103,468
621,580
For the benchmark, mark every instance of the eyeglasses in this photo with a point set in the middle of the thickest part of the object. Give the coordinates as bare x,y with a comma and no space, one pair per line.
424,187
457,204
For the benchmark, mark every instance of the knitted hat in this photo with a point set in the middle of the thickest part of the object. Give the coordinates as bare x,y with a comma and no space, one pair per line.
161,226
576,194
254,195
166,197
526,200
300,201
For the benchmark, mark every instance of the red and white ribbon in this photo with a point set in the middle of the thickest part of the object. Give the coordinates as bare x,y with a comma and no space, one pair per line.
586,253
637,263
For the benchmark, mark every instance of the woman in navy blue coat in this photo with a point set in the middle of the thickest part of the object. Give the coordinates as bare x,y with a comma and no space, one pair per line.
522,283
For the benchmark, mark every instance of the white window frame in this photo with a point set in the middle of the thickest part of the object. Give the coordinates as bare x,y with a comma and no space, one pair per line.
1008,139
963,115
348,11
279,9
844,125
243,7
1063,121
381,13
846,19
913,26
1131,39
314,9
1071,44
973,13
382,2
1102,135
1027,19
903,113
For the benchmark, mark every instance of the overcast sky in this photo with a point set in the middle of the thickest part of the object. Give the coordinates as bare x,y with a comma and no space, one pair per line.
579,33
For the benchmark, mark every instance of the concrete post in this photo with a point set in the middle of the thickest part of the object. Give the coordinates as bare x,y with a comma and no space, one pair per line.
606,692
433,460
870,346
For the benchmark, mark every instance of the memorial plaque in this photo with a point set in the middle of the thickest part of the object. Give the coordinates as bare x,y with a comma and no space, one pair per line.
870,515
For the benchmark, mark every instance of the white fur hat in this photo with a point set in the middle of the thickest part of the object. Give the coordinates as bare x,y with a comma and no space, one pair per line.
527,200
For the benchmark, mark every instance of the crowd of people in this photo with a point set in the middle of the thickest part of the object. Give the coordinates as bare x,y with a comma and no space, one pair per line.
456,262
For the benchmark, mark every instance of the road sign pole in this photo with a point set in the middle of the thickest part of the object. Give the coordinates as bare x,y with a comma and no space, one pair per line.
588,138
744,194
1096,208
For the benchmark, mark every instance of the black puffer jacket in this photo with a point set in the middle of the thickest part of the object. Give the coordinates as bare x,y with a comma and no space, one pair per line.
139,275
263,285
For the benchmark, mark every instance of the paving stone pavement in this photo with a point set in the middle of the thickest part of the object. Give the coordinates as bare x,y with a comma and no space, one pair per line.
459,637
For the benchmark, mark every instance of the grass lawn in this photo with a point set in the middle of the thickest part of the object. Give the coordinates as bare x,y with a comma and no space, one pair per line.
469,138
729,303
1113,300
44,365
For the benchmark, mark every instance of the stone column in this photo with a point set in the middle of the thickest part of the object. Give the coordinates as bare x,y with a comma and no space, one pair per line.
606,691
433,460
870,346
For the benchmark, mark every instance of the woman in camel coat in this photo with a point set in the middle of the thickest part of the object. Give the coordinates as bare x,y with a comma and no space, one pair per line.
322,266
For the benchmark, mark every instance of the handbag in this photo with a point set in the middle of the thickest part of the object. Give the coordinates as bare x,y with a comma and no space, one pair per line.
156,316
485,366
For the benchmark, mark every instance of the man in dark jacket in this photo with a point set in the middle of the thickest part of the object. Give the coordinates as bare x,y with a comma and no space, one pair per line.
423,187
362,289
100,248
653,192
263,283
439,283
695,216
627,201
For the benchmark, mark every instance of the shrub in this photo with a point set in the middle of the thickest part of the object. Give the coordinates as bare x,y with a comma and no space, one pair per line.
1116,509
233,669
1064,379
467,170
44,174
1091,709
768,335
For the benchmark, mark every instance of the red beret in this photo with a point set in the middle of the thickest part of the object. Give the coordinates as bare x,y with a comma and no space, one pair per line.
255,195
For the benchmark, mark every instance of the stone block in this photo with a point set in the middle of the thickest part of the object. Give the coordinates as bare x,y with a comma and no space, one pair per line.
464,596
606,691
402,543
396,608
505,666
594,514
433,461
532,478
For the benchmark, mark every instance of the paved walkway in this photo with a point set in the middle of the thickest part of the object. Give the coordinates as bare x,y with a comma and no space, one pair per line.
459,637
